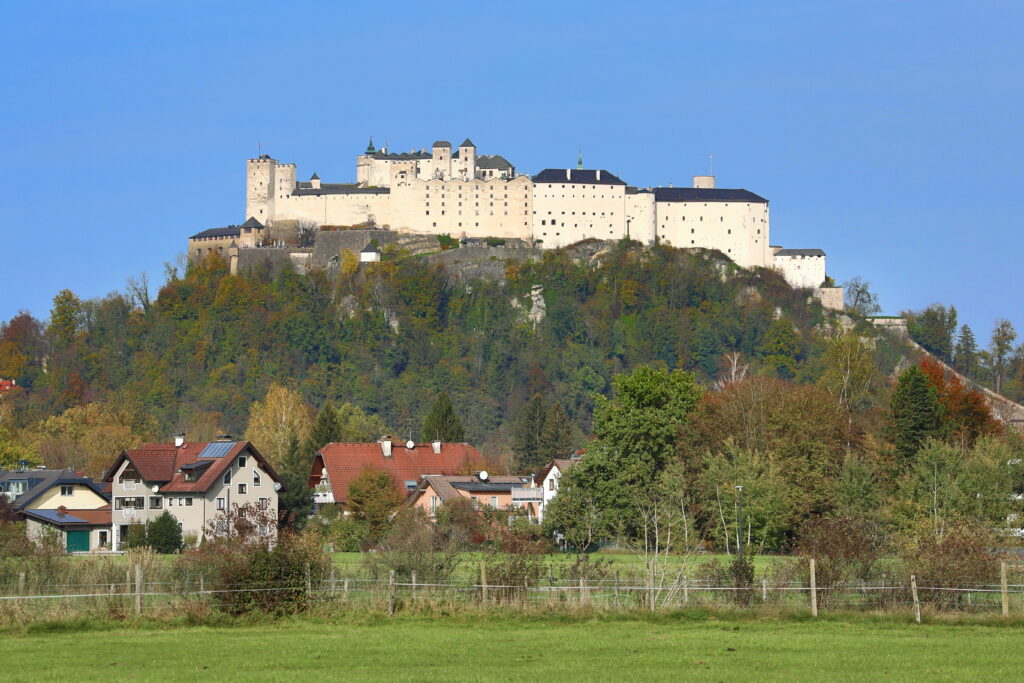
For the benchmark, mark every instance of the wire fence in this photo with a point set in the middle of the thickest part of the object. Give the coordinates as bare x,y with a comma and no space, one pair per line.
159,591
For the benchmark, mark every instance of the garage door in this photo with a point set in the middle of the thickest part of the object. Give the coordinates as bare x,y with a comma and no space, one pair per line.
78,541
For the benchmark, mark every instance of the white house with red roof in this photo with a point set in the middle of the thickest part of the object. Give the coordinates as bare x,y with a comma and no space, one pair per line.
547,479
193,481
337,464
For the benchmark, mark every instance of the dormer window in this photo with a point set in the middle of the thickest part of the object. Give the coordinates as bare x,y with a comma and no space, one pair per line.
189,475
67,490
130,474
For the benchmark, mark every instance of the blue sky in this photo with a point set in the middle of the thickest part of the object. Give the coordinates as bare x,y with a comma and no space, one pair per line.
886,133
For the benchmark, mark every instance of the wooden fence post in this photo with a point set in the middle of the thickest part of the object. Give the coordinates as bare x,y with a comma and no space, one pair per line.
583,594
138,589
334,582
483,582
764,589
309,583
650,586
414,584
1003,589
346,588
616,587
814,590
917,603
686,590
202,584
21,583
392,596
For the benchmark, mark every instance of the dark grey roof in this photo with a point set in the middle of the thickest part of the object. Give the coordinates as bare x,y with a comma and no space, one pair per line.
495,161
484,487
705,194
636,190
314,176
402,156
441,143
40,481
799,252
370,248
230,231
576,175
305,188
467,143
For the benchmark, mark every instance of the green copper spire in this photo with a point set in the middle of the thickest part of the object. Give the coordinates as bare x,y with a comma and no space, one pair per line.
579,161
369,148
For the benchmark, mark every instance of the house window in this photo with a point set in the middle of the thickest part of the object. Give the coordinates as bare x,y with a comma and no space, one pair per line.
220,503
130,475
552,484
256,479
67,490
242,488
189,475
241,461
170,502
181,502
264,503
227,478
494,501
104,539
188,502
155,502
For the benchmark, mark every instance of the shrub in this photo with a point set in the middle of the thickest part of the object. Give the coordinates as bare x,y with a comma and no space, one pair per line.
844,549
254,570
414,545
961,558
447,242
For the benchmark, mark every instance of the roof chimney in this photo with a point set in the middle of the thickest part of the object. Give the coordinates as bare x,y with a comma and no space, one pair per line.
704,181
436,445
385,446
179,440
568,174
61,511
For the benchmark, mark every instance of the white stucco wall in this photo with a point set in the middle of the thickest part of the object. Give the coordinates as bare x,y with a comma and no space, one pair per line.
801,271
567,212
740,230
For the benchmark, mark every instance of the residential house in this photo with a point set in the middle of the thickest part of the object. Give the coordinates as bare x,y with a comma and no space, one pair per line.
6,385
73,505
548,476
337,464
481,489
195,482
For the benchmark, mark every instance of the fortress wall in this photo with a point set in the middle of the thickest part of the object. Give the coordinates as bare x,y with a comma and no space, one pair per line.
332,242
737,229
565,213
641,215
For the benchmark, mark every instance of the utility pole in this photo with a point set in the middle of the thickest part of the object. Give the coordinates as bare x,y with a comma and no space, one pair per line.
739,522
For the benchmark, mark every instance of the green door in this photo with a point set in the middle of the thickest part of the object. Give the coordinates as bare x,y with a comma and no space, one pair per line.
78,541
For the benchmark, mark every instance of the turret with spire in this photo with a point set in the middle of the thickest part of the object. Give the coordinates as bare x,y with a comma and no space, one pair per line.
370,149
579,161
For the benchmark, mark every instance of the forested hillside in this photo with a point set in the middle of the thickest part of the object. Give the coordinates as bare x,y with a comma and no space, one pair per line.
387,338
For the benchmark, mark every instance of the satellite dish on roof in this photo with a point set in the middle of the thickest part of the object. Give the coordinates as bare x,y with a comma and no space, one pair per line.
483,475
410,444
277,486
156,487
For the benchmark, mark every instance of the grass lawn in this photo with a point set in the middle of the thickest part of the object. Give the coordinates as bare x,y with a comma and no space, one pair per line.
495,648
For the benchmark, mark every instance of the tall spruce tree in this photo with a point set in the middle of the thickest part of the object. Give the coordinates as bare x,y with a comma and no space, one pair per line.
915,413
441,423
556,437
295,499
527,431
326,429
966,352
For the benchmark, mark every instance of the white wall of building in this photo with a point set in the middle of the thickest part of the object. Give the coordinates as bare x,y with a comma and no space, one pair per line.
737,229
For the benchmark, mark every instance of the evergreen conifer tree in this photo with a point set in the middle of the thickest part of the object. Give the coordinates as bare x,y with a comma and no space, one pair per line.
966,352
556,437
527,431
163,534
441,423
915,413
295,500
326,429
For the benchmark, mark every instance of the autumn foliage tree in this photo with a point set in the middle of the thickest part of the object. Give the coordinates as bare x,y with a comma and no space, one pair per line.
965,413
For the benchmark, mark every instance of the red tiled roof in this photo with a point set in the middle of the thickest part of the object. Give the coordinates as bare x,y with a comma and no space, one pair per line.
345,461
6,384
160,463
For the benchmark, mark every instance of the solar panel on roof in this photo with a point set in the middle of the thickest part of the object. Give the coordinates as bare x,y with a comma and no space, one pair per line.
217,449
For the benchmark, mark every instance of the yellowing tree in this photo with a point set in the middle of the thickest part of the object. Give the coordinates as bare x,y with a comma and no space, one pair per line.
273,421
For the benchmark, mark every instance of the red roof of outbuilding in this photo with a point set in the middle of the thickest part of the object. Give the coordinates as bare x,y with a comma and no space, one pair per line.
6,384
345,461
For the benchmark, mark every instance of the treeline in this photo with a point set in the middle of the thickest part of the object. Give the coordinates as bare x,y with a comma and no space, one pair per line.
387,338
999,365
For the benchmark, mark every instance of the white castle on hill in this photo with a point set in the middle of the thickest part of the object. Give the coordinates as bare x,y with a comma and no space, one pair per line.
469,195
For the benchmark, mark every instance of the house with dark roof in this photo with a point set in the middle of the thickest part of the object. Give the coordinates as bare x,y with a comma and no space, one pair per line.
197,482
503,492
44,497
337,464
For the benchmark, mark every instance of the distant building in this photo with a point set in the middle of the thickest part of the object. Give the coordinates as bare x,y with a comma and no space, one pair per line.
547,479
480,489
221,240
6,385
337,464
64,500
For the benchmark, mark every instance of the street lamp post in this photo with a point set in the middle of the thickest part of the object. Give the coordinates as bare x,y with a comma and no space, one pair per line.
739,522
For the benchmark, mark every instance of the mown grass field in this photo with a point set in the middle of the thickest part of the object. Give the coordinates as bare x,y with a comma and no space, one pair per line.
691,646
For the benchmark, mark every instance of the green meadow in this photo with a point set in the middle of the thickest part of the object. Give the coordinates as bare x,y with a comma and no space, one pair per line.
684,645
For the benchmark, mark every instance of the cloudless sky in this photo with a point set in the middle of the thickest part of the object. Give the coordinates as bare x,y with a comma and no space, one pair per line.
886,133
